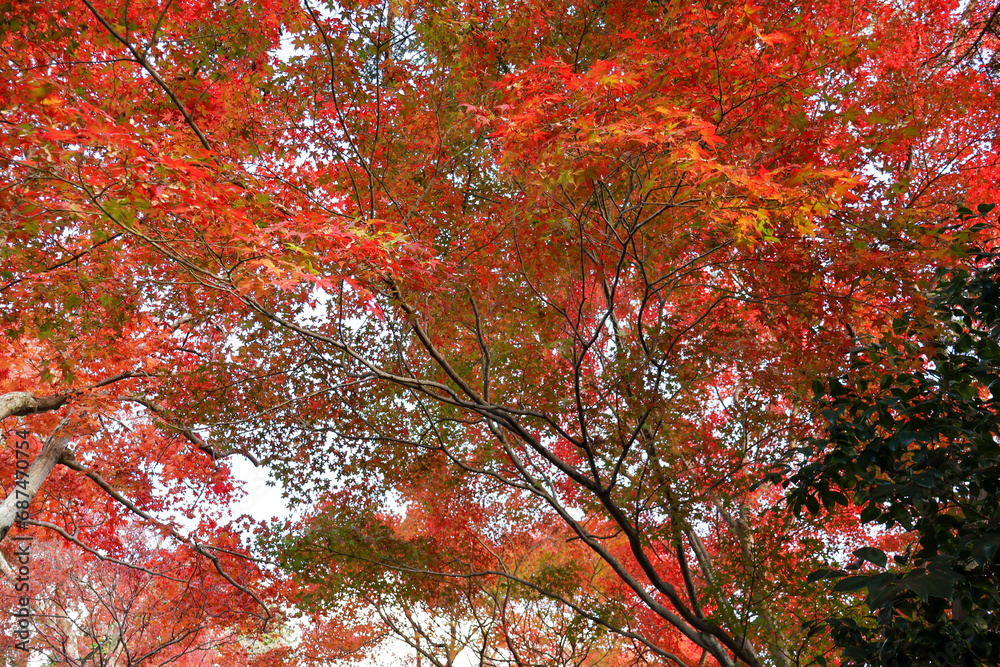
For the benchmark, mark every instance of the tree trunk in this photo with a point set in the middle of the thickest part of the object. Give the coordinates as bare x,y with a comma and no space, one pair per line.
25,487
19,403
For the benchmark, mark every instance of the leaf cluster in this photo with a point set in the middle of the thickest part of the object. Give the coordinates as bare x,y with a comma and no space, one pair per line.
912,441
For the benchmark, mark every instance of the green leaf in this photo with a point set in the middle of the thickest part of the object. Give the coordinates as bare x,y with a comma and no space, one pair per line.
852,584
818,389
825,573
984,550
930,583
872,555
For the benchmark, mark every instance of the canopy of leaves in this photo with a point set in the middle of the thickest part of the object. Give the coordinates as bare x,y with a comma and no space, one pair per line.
527,293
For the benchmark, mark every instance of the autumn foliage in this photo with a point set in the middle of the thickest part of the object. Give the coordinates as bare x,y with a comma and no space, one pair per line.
519,301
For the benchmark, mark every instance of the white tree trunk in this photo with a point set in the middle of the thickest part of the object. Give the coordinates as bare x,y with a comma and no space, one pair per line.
27,486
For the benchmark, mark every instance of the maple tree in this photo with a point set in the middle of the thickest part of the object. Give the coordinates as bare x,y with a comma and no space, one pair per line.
98,461
146,607
528,294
